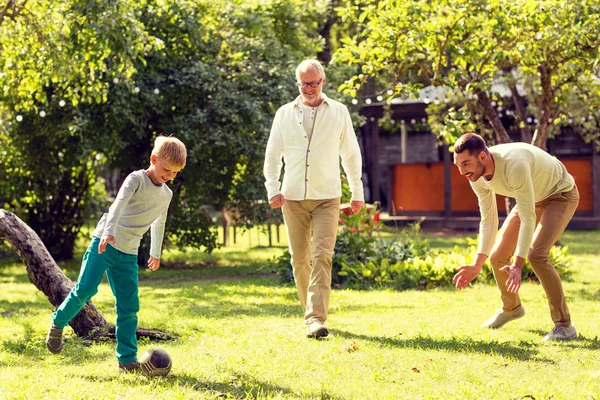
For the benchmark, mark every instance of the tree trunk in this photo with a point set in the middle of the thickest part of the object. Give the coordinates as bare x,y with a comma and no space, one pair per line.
540,137
501,134
522,113
325,32
492,116
43,272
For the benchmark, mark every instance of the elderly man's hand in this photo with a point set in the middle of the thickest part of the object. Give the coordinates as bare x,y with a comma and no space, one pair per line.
357,206
277,201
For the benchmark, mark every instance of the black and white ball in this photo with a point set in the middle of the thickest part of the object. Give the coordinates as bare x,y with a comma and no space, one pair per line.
156,362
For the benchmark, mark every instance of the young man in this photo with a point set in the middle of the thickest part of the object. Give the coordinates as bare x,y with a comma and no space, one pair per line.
546,198
141,204
311,134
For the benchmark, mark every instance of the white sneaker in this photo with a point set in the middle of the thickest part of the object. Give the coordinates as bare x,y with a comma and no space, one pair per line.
561,333
316,329
501,317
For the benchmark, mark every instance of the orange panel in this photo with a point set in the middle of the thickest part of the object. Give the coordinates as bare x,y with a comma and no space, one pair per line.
419,187
581,169
463,197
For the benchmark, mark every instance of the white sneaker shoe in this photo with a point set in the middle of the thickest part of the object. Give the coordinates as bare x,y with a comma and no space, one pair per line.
561,333
502,317
317,330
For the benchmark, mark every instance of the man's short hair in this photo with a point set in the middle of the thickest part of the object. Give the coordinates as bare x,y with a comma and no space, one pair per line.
309,64
471,142
171,150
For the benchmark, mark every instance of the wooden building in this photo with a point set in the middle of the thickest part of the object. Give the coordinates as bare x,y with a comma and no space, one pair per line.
412,176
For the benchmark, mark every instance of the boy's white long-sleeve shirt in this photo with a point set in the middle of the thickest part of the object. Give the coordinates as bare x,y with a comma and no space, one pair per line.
529,175
140,205
312,169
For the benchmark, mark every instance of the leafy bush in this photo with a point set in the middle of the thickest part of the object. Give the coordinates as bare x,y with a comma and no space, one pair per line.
363,260
360,253
559,257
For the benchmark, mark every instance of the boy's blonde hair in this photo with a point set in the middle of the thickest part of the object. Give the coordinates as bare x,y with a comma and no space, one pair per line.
171,150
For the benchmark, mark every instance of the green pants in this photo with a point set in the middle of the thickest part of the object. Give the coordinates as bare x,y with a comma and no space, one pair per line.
122,272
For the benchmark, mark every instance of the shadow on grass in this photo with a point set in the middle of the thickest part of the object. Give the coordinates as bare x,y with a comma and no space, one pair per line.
524,352
223,301
10,309
34,348
237,386
579,342
586,295
582,342
224,309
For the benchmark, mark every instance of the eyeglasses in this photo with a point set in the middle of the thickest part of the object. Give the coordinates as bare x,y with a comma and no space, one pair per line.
310,84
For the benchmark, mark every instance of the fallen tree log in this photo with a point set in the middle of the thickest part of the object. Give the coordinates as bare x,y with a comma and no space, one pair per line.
47,276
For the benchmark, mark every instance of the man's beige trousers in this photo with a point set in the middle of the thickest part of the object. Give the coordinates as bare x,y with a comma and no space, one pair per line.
312,263
553,215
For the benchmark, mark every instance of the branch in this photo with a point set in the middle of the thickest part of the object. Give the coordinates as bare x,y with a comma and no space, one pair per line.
443,45
16,10
521,112
426,71
560,61
489,55
558,86
540,136
490,113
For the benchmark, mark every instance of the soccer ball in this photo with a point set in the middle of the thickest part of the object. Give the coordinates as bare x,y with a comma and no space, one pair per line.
155,362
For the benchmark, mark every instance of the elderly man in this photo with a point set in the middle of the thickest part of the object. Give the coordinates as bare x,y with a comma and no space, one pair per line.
310,134
546,198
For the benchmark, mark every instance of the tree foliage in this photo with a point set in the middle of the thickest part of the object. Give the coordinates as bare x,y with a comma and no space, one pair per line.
209,72
545,52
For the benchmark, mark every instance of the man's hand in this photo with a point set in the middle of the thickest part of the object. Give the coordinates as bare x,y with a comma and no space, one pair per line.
153,263
104,240
277,201
356,206
464,276
513,283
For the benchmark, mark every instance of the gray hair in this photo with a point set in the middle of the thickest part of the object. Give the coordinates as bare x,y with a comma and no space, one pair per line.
308,64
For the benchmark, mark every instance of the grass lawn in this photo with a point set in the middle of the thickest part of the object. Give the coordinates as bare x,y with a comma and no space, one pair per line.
243,337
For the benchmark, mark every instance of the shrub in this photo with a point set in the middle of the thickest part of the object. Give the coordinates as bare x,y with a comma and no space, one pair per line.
364,260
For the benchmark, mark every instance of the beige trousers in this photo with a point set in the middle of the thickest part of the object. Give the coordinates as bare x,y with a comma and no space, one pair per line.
312,264
553,215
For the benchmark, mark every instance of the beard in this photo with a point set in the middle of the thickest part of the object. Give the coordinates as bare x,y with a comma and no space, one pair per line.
478,173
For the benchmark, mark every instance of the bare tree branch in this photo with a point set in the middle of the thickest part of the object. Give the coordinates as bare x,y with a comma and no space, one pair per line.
521,112
11,10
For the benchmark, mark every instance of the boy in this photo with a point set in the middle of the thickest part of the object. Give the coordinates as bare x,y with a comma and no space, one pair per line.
142,203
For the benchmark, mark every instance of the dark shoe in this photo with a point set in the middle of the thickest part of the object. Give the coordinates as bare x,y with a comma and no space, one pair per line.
133,367
316,330
54,339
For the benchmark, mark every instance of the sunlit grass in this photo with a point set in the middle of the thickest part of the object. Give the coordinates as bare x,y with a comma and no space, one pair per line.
244,338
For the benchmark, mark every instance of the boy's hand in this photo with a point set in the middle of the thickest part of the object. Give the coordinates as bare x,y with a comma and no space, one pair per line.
104,240
153,263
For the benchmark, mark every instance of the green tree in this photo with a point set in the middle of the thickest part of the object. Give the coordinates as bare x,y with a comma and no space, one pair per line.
221,72
550,48
54,57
